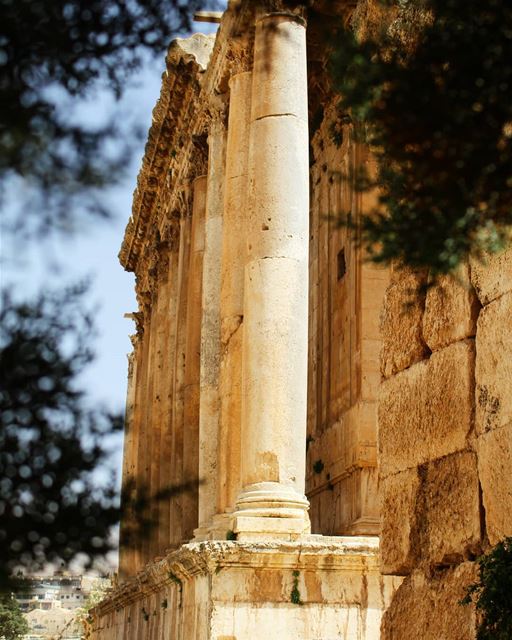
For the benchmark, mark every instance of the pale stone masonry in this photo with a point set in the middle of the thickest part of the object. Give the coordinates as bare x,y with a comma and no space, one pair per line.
268,354
445,441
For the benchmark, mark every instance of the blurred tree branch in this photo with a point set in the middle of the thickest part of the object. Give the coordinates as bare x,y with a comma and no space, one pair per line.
428,86
51,505
53,54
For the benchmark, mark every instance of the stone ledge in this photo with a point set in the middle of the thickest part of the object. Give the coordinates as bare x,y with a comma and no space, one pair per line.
325,553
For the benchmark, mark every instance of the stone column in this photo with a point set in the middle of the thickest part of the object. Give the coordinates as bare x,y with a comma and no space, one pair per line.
209,404
177,404
167,472
126,561
146,448
192,361
272,501
158,388
232,299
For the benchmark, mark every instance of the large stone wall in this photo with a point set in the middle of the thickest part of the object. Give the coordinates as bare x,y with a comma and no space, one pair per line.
445,438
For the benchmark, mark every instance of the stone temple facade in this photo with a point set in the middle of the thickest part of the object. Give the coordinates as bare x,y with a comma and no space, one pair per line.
320,401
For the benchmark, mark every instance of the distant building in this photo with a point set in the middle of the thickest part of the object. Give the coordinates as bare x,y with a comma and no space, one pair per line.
54,592
53,623
50,604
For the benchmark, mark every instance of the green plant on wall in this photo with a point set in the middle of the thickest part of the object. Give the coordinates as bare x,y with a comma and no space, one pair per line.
492,593
295,594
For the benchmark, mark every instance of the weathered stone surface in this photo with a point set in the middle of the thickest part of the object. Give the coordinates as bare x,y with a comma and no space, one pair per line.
274,356
401,322
451,310
495,469
430,514
493,370
492,276
316,588
399,498
449,510
427,411
428,608
348,505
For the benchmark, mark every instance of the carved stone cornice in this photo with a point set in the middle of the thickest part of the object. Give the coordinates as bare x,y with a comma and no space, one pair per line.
345,554
180,87
192,102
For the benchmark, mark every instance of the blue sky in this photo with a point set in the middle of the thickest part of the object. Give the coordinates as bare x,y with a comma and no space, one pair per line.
91,252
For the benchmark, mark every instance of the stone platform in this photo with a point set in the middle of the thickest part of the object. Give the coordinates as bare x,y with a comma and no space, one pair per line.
320,588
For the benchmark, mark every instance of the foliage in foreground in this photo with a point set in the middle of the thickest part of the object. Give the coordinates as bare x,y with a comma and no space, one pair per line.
52,507
53,54
58,500
492,593
12,622
429,84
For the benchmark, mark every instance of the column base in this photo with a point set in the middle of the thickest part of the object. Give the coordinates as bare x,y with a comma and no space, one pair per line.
271,510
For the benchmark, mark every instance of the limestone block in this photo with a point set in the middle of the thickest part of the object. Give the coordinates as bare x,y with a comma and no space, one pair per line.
492,276
347,445
197,47
348,505
431,514
451,310
374,282
401,322
493,370
449,509
428,608
398,517
495,469
369,369
426,411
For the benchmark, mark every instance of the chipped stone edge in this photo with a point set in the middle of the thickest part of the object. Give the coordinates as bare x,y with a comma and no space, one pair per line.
207,558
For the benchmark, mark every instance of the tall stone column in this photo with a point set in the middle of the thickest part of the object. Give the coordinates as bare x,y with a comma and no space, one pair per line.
272,501
232,299
167,472
209,402
126,560
179,354
146,444
192,359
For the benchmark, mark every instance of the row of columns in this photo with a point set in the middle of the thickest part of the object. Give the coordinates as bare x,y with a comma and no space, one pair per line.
220,387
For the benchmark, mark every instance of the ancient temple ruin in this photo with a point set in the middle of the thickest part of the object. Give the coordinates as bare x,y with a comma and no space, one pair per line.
268,349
